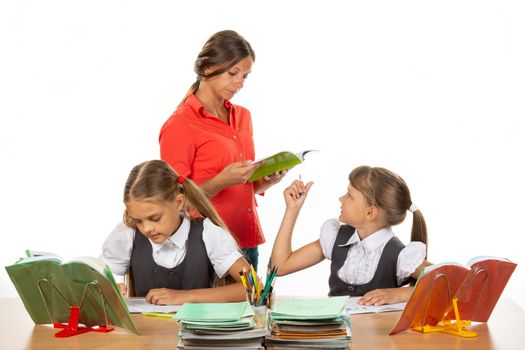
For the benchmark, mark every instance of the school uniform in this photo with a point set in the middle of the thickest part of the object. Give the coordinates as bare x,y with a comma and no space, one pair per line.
378,261
188,259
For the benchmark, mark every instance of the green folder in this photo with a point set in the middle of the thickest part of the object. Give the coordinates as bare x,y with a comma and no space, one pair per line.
214,312
65,286
309,309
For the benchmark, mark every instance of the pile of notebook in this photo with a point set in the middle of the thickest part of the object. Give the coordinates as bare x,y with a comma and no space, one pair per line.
219,326
309,323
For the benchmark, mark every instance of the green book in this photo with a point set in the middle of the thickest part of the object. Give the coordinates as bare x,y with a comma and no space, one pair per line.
278,162
214,312
48,286
309,309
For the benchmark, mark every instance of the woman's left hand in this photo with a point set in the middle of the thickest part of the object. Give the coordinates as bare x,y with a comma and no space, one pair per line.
165,296
268,181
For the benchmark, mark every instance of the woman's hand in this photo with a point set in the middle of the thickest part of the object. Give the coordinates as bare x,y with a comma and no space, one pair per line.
165,296
233,174
295,194
266,182
386,296
237,173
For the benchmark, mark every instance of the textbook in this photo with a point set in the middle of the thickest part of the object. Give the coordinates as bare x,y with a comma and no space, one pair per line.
48,287
219,326
450,291
317,323
278,162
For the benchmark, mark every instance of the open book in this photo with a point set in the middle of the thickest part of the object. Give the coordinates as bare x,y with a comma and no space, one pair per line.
476,287
48,287
278,162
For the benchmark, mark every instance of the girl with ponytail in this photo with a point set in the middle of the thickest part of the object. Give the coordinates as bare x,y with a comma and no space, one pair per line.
171,257
367,259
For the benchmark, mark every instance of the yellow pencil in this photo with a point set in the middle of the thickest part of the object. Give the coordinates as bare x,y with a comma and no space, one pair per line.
156,314
256,282
243,281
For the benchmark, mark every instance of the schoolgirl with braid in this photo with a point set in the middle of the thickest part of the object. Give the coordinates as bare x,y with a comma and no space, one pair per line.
367,259
171,257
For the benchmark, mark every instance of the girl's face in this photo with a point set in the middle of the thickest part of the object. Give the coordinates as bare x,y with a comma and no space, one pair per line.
227,84
353,207
155,219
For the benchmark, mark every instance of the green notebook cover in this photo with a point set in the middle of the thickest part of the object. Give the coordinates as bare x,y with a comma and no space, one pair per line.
214,312
69,279
278,162
308,309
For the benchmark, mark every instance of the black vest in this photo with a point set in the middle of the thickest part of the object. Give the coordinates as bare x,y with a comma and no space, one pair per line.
384,277
195,271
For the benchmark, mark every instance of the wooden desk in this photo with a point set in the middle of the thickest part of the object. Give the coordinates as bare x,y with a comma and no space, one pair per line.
505,330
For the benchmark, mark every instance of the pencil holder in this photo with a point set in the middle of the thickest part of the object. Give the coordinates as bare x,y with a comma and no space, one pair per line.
271,300
260,315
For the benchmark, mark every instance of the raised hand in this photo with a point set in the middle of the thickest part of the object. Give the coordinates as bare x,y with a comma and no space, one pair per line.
296,193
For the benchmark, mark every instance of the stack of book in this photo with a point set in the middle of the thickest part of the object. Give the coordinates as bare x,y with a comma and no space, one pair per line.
219,326
309,323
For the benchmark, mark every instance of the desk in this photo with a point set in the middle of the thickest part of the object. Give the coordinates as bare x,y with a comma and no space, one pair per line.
505,330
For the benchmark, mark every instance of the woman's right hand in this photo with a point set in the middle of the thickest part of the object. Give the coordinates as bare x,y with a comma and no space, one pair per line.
237,173
295,194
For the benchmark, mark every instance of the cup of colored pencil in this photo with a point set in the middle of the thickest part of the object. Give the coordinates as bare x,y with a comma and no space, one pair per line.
257,293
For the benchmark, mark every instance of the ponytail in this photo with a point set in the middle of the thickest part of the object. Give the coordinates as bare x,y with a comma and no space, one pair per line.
193,89
419,228
200,202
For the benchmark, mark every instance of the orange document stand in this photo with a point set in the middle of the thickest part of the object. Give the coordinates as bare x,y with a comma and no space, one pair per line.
448,296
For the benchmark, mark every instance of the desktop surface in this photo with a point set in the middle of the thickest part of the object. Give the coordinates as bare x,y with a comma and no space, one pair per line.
505,330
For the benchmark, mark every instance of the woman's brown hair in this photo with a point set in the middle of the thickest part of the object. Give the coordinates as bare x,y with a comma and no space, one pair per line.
222,51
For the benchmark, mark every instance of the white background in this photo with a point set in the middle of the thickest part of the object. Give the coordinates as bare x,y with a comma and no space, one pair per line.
433,90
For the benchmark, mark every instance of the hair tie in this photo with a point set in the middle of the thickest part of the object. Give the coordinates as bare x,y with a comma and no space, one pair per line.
412,208
181,179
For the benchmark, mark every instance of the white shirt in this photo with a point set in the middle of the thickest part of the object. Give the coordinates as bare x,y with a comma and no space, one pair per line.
220,246
363,256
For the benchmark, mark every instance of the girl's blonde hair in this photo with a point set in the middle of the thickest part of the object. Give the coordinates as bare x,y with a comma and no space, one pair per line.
155,179
388,191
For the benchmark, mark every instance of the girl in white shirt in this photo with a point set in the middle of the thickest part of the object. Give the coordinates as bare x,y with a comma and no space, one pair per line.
367,259
173,258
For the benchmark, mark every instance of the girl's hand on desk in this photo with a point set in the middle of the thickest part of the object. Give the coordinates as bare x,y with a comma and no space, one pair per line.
165,296
386,296
123,289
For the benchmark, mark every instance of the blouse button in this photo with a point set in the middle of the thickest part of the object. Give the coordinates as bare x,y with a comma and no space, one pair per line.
235,137
249,210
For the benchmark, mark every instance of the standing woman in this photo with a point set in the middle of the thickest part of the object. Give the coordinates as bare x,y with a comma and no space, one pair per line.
210,140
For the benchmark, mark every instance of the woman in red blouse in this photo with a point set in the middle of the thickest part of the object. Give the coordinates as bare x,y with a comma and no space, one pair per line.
210,140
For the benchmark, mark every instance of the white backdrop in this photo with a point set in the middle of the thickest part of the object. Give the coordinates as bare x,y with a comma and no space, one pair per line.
432,90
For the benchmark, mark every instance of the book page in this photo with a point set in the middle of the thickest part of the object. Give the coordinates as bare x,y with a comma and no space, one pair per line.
353,308
140,305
